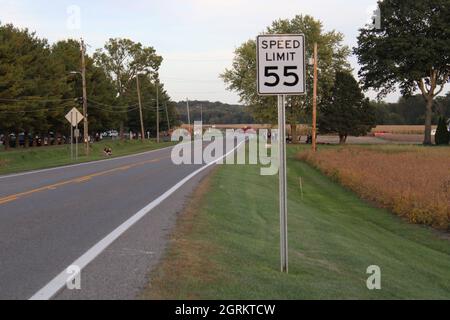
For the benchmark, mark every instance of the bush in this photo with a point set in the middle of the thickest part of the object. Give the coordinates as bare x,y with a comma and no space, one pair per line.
442,134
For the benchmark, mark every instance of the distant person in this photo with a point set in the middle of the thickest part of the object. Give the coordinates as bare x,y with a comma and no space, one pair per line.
107,151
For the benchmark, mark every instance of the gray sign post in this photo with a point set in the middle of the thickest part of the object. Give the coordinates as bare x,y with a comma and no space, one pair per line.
74,117
281,72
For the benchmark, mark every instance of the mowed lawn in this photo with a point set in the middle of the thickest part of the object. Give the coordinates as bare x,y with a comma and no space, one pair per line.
226,245
18,160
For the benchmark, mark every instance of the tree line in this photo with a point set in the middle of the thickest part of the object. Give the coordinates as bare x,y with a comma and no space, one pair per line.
214,112
41,82
408,49
409,110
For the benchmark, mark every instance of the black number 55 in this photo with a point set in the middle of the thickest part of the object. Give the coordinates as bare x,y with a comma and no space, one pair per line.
270,72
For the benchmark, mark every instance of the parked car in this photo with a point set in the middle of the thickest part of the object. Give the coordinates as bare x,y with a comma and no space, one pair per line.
110,134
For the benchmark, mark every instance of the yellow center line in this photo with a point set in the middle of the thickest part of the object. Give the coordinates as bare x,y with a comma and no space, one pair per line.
82,179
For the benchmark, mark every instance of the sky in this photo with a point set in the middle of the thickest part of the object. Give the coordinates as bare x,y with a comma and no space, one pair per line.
196,38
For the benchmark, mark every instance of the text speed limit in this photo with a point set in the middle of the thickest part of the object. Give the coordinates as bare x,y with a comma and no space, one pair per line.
281,64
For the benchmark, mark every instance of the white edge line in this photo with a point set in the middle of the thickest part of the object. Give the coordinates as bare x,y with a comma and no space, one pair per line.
82,164
58,283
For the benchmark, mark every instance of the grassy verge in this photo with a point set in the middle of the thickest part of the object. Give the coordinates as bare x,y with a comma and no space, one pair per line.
47,157
226,245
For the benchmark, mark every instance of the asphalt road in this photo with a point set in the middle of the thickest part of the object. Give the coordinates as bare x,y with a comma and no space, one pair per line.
51,218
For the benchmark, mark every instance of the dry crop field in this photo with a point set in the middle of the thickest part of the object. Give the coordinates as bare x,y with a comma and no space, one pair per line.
413,182
401,129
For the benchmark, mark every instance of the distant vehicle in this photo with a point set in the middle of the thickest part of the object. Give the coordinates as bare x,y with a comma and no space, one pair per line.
110,134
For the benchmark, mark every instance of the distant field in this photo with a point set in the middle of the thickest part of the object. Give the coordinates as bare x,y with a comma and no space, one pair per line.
413,182
304,128
400,129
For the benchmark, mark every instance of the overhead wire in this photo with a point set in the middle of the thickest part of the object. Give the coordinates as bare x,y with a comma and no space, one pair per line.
36,100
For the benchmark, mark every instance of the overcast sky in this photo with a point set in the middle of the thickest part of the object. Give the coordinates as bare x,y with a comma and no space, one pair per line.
196,37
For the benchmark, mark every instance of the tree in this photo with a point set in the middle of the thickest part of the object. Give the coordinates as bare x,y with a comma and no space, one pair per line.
241,77
443,106
28,84
345,111
100,90
442,135
123,60
38,85
214,113
148,95
411,49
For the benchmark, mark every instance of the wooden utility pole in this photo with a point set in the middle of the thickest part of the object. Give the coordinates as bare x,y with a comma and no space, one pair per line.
188,114
167,116
85,114
201,113
140,108
314,120
157,111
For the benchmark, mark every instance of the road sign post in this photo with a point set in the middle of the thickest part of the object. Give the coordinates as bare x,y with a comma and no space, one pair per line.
283,183
281,72
71,136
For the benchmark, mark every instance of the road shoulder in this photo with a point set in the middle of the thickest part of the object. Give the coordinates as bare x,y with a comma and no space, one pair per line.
180,254
121,271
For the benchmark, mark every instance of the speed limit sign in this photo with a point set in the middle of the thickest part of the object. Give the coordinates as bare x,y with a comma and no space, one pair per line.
281,64
281,72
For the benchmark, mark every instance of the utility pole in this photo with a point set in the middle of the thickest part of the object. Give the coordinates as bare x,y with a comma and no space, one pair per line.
85,114
167,116
140,108
314,120
201,113
157,111
188,114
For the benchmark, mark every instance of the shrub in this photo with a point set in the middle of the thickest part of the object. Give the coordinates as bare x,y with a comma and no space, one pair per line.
442,134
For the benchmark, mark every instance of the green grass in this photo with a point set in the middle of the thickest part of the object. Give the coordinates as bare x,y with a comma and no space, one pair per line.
47,157
230,249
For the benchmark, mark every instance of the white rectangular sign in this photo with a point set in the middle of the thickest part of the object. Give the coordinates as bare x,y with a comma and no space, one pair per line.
281,64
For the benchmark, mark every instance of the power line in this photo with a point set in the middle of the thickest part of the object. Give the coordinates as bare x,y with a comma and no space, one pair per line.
199,59
30,111
36,100
110,106
191,80
61,107
115,111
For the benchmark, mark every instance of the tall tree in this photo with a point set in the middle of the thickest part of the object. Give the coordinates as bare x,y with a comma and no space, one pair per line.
148,95
411,49
100,89
123,60
29,87
241,77
345,111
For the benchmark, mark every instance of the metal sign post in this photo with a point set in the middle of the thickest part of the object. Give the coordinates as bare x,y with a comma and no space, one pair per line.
77,135
71,136
281,72
283,183
74,117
